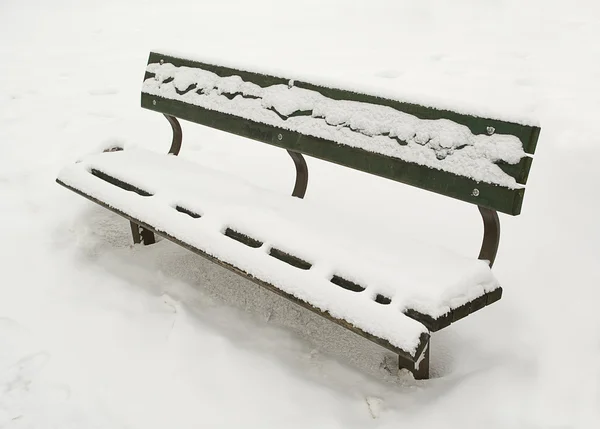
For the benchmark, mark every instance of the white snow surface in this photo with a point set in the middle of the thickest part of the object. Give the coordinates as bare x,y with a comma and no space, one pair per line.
97,333
349,82
440,144
422,277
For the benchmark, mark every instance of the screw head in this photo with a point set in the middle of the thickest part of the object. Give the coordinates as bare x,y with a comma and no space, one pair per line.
475,192
490,130
162,61
154,102
279,137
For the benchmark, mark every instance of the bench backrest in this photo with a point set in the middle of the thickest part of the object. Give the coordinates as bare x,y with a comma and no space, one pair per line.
474,159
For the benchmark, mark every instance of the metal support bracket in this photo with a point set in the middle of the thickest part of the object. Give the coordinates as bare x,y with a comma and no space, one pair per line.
491,235
177,135
301,174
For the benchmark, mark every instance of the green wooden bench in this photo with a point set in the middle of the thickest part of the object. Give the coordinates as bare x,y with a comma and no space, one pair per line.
394,295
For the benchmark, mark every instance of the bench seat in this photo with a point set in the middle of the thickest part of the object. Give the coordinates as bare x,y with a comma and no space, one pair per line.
392,288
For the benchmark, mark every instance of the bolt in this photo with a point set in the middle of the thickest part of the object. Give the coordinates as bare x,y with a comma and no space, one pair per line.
279,137
475,192
162,61
154,102
490,130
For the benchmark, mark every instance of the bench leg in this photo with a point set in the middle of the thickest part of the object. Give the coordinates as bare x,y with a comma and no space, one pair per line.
141,235
422,371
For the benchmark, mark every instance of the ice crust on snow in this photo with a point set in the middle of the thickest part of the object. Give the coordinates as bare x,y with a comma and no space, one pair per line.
440,144
414,275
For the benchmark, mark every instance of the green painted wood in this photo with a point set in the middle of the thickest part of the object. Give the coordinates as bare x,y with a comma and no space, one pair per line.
456,314
486,195
490,196
527,134
519,171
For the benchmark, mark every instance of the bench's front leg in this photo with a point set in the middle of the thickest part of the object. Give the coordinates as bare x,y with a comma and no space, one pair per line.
421,372
141,234
419,369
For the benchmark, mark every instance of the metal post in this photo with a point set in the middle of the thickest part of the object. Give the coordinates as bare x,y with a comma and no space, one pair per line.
177,135
491,235
301,174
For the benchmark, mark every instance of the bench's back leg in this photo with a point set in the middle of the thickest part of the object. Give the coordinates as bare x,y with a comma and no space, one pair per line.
140,234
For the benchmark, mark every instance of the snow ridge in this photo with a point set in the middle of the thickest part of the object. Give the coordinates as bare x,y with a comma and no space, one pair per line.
440,144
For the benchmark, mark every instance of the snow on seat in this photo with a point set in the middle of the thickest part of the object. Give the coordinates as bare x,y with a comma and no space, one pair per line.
296,246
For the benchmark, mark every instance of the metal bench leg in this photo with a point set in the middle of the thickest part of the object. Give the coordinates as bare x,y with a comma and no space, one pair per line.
141,235
422,371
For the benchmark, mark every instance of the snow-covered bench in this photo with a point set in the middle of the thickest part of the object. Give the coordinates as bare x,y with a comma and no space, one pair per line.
393,295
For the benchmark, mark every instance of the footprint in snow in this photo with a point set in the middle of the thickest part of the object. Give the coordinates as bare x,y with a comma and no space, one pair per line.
375,406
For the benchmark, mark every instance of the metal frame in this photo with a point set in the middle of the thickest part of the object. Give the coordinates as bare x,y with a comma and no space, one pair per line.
491,235
177,135
301,174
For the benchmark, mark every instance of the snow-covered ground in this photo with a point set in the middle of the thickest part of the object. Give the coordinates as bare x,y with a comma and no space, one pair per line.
95,333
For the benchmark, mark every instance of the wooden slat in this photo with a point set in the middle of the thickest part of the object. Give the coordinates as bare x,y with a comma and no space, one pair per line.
519,171
435,324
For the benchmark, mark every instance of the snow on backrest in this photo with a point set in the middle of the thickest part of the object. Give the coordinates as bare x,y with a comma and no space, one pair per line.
433,149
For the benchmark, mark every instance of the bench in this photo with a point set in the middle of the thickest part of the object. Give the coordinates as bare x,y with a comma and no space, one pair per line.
395,295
